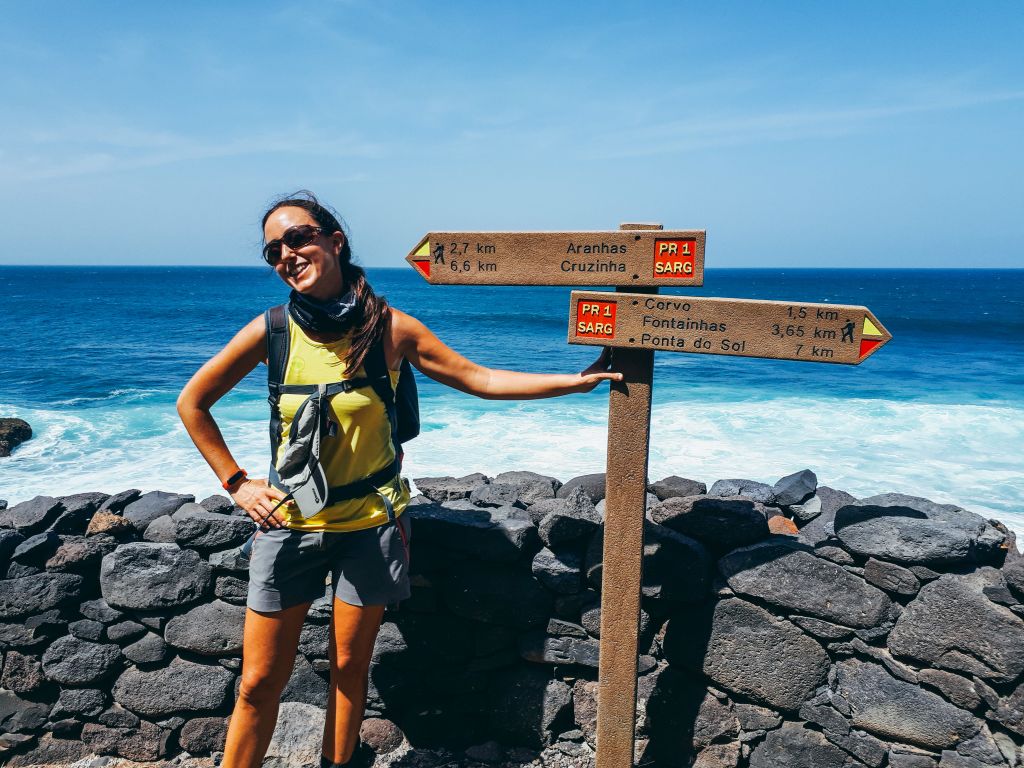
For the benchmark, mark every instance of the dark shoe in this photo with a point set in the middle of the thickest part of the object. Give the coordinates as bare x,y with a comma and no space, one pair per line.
362,757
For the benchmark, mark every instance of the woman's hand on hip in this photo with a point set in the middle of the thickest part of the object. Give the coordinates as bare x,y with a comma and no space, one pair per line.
258,498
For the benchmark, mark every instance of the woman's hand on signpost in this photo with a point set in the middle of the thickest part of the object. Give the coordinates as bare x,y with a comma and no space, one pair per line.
597,372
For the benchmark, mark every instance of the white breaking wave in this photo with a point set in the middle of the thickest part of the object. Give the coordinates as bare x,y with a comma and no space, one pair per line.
962,454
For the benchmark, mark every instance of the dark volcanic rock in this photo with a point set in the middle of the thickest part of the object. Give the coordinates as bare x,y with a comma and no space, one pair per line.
182,686
497,596
752,653
891,577
674,486
531,486
145,742
125,631
781,572
894,709
72,661
722,523
218,503
907,529
473,532
18,715
952,625
163,530
151,649
559,572
99,610
78,510
86,629
119,501
142,576
676,568
304,685
152,505
35,594
81,555
51,751
211,629
210,530
13,432
36,549
527,704
593,485
569,519
442,489
795,488
540,648
748,488
87,702
32,516
22,674
203,735
231,589
794,746
9,540
1013,572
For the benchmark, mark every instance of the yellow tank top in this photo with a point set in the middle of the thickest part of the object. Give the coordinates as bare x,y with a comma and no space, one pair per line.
361,447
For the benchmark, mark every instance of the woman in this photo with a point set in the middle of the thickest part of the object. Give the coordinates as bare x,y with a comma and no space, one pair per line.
334,321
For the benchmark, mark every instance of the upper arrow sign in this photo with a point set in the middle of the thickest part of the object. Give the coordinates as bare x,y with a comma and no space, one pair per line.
784,330
641,257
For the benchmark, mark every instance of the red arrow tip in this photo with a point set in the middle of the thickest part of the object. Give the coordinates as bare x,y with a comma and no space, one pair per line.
423,266
866,345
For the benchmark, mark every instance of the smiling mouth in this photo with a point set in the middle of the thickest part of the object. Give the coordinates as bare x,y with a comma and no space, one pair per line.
297,270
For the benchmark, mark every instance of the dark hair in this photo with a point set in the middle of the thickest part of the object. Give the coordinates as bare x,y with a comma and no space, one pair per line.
374,311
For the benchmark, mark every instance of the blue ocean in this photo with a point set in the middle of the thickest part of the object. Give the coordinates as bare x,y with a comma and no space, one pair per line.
94,358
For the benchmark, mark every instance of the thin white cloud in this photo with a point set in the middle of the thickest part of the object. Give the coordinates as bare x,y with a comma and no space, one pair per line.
87,150
686,135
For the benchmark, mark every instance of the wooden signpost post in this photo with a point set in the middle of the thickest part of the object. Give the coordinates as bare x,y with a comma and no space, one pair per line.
635,321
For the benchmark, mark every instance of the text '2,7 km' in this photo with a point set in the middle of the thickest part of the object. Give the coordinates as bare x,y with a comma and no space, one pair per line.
621,257
818,333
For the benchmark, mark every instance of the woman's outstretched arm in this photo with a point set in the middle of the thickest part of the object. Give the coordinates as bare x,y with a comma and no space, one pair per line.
413,340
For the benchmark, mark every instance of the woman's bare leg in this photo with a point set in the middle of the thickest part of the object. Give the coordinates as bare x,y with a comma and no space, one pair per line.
269,644
353,632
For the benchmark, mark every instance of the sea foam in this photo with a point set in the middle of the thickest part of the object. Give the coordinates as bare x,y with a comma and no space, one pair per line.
953,453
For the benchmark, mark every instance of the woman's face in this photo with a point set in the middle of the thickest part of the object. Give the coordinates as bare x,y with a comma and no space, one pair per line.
313,269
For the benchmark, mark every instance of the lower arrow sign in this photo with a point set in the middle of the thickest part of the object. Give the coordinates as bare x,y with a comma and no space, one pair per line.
782,330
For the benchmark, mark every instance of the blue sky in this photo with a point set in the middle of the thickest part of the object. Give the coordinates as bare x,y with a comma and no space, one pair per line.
797,134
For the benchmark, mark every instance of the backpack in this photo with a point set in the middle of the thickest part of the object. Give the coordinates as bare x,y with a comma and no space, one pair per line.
300,473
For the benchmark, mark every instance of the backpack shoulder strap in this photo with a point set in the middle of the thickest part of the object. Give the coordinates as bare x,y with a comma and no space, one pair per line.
276,319
376,367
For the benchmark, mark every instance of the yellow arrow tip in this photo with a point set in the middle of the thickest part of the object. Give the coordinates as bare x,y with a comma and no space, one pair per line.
424,250
870,329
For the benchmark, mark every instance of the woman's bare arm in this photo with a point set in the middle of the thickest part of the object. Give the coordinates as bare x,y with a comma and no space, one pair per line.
413,340
210,383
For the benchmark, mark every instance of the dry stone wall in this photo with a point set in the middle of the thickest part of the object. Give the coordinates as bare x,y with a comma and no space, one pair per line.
787,625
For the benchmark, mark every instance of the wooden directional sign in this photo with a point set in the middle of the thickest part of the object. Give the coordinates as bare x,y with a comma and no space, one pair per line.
637,257
784,330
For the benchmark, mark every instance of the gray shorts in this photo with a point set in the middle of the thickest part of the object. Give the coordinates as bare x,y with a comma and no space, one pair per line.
367,567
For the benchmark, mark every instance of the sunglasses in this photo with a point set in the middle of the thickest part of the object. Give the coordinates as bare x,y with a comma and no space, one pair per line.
294,237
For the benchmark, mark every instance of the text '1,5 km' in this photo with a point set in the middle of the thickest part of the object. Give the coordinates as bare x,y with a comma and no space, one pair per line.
818,333
623,257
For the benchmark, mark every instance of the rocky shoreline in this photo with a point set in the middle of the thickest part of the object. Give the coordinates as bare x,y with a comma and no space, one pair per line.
788,625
